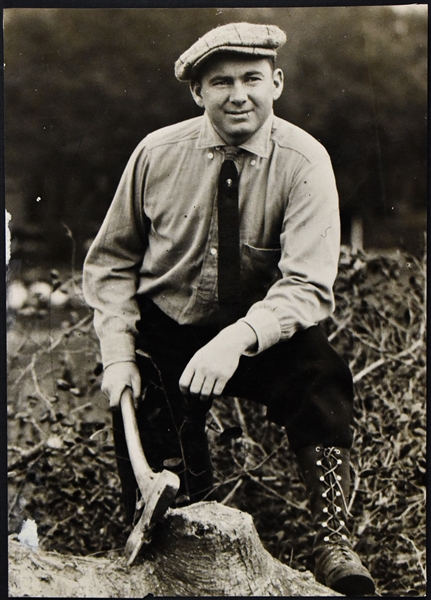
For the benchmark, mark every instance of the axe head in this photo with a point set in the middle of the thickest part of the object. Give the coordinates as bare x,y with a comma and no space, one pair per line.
161,493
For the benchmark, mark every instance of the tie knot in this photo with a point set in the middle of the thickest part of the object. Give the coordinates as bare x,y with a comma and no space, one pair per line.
231,152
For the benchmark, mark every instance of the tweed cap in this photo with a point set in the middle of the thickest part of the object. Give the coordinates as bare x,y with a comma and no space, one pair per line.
241,38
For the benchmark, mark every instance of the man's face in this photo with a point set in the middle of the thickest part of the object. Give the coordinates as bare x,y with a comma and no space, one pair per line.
237,94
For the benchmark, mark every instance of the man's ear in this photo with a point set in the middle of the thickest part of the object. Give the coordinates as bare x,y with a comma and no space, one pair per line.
278,80
196,91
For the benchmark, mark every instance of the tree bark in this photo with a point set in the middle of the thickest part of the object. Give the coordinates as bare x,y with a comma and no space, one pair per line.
205,549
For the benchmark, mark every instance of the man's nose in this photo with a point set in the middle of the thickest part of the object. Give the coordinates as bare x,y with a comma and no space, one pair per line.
238,94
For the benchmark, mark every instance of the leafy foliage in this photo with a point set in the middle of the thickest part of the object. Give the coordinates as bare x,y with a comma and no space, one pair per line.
61,461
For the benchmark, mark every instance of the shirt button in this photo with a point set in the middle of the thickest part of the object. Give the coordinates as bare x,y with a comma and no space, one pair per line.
210,155
253,162
229,182
213,251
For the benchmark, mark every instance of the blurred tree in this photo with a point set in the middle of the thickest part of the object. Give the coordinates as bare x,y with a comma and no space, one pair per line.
360,87
83,86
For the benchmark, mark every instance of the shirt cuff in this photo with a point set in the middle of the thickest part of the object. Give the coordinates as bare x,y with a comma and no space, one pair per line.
117,348
267,328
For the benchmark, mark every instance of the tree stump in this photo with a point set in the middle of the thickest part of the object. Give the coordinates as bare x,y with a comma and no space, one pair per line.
205,549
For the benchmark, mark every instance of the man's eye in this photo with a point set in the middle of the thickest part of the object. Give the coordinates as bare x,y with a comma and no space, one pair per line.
253,79
221,82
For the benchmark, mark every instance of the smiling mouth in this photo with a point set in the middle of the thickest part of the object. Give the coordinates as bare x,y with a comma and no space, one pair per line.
243,113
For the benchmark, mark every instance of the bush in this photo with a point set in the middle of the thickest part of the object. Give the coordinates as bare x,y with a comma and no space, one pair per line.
62,470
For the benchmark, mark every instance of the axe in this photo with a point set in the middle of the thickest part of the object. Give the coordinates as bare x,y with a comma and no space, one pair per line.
158,489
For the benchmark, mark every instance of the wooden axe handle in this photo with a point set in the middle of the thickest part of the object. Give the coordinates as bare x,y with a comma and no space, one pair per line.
142,470
158,489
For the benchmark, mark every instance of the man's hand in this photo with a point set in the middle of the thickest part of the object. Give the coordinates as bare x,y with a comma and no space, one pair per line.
117,377
213,365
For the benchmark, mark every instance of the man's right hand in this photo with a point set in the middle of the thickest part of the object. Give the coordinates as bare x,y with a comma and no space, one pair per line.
117,377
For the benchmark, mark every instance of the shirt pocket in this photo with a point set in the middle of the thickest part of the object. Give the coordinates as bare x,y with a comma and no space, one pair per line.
259,271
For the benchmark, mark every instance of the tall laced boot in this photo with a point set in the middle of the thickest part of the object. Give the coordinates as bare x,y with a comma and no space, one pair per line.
327,479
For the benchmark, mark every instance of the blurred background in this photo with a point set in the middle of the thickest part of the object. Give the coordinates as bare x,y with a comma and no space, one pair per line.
84,86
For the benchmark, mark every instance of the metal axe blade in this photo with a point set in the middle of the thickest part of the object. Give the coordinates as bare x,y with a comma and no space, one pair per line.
158,489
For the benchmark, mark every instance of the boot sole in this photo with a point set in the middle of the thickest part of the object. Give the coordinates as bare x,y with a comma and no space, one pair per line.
354,586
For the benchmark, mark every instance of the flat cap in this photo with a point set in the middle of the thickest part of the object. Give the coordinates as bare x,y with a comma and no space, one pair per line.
241,38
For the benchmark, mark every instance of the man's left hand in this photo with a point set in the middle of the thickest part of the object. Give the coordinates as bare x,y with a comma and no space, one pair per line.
209,370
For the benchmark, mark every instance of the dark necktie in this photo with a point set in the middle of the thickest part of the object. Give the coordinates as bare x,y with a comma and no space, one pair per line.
229,269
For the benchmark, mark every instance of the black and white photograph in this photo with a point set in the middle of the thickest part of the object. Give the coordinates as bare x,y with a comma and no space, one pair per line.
216,300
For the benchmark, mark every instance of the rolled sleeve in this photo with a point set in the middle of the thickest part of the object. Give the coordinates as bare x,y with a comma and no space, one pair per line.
266,327
117,348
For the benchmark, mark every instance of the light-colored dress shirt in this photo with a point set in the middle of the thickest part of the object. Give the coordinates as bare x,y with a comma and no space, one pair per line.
159,237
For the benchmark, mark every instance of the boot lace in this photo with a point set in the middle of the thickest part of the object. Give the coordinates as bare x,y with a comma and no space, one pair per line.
333,491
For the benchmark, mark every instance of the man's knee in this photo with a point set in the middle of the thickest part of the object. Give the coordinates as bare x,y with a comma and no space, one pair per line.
317,365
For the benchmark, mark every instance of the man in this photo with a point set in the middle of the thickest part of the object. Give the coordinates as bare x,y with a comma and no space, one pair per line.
209,276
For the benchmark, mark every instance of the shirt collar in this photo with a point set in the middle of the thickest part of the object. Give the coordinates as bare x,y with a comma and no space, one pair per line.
258,144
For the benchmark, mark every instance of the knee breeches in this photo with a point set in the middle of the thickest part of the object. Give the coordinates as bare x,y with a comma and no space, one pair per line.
304,383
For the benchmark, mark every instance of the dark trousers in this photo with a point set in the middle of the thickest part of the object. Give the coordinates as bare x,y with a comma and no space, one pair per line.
305,384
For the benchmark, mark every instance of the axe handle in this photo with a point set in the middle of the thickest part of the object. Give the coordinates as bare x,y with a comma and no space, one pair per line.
142,470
